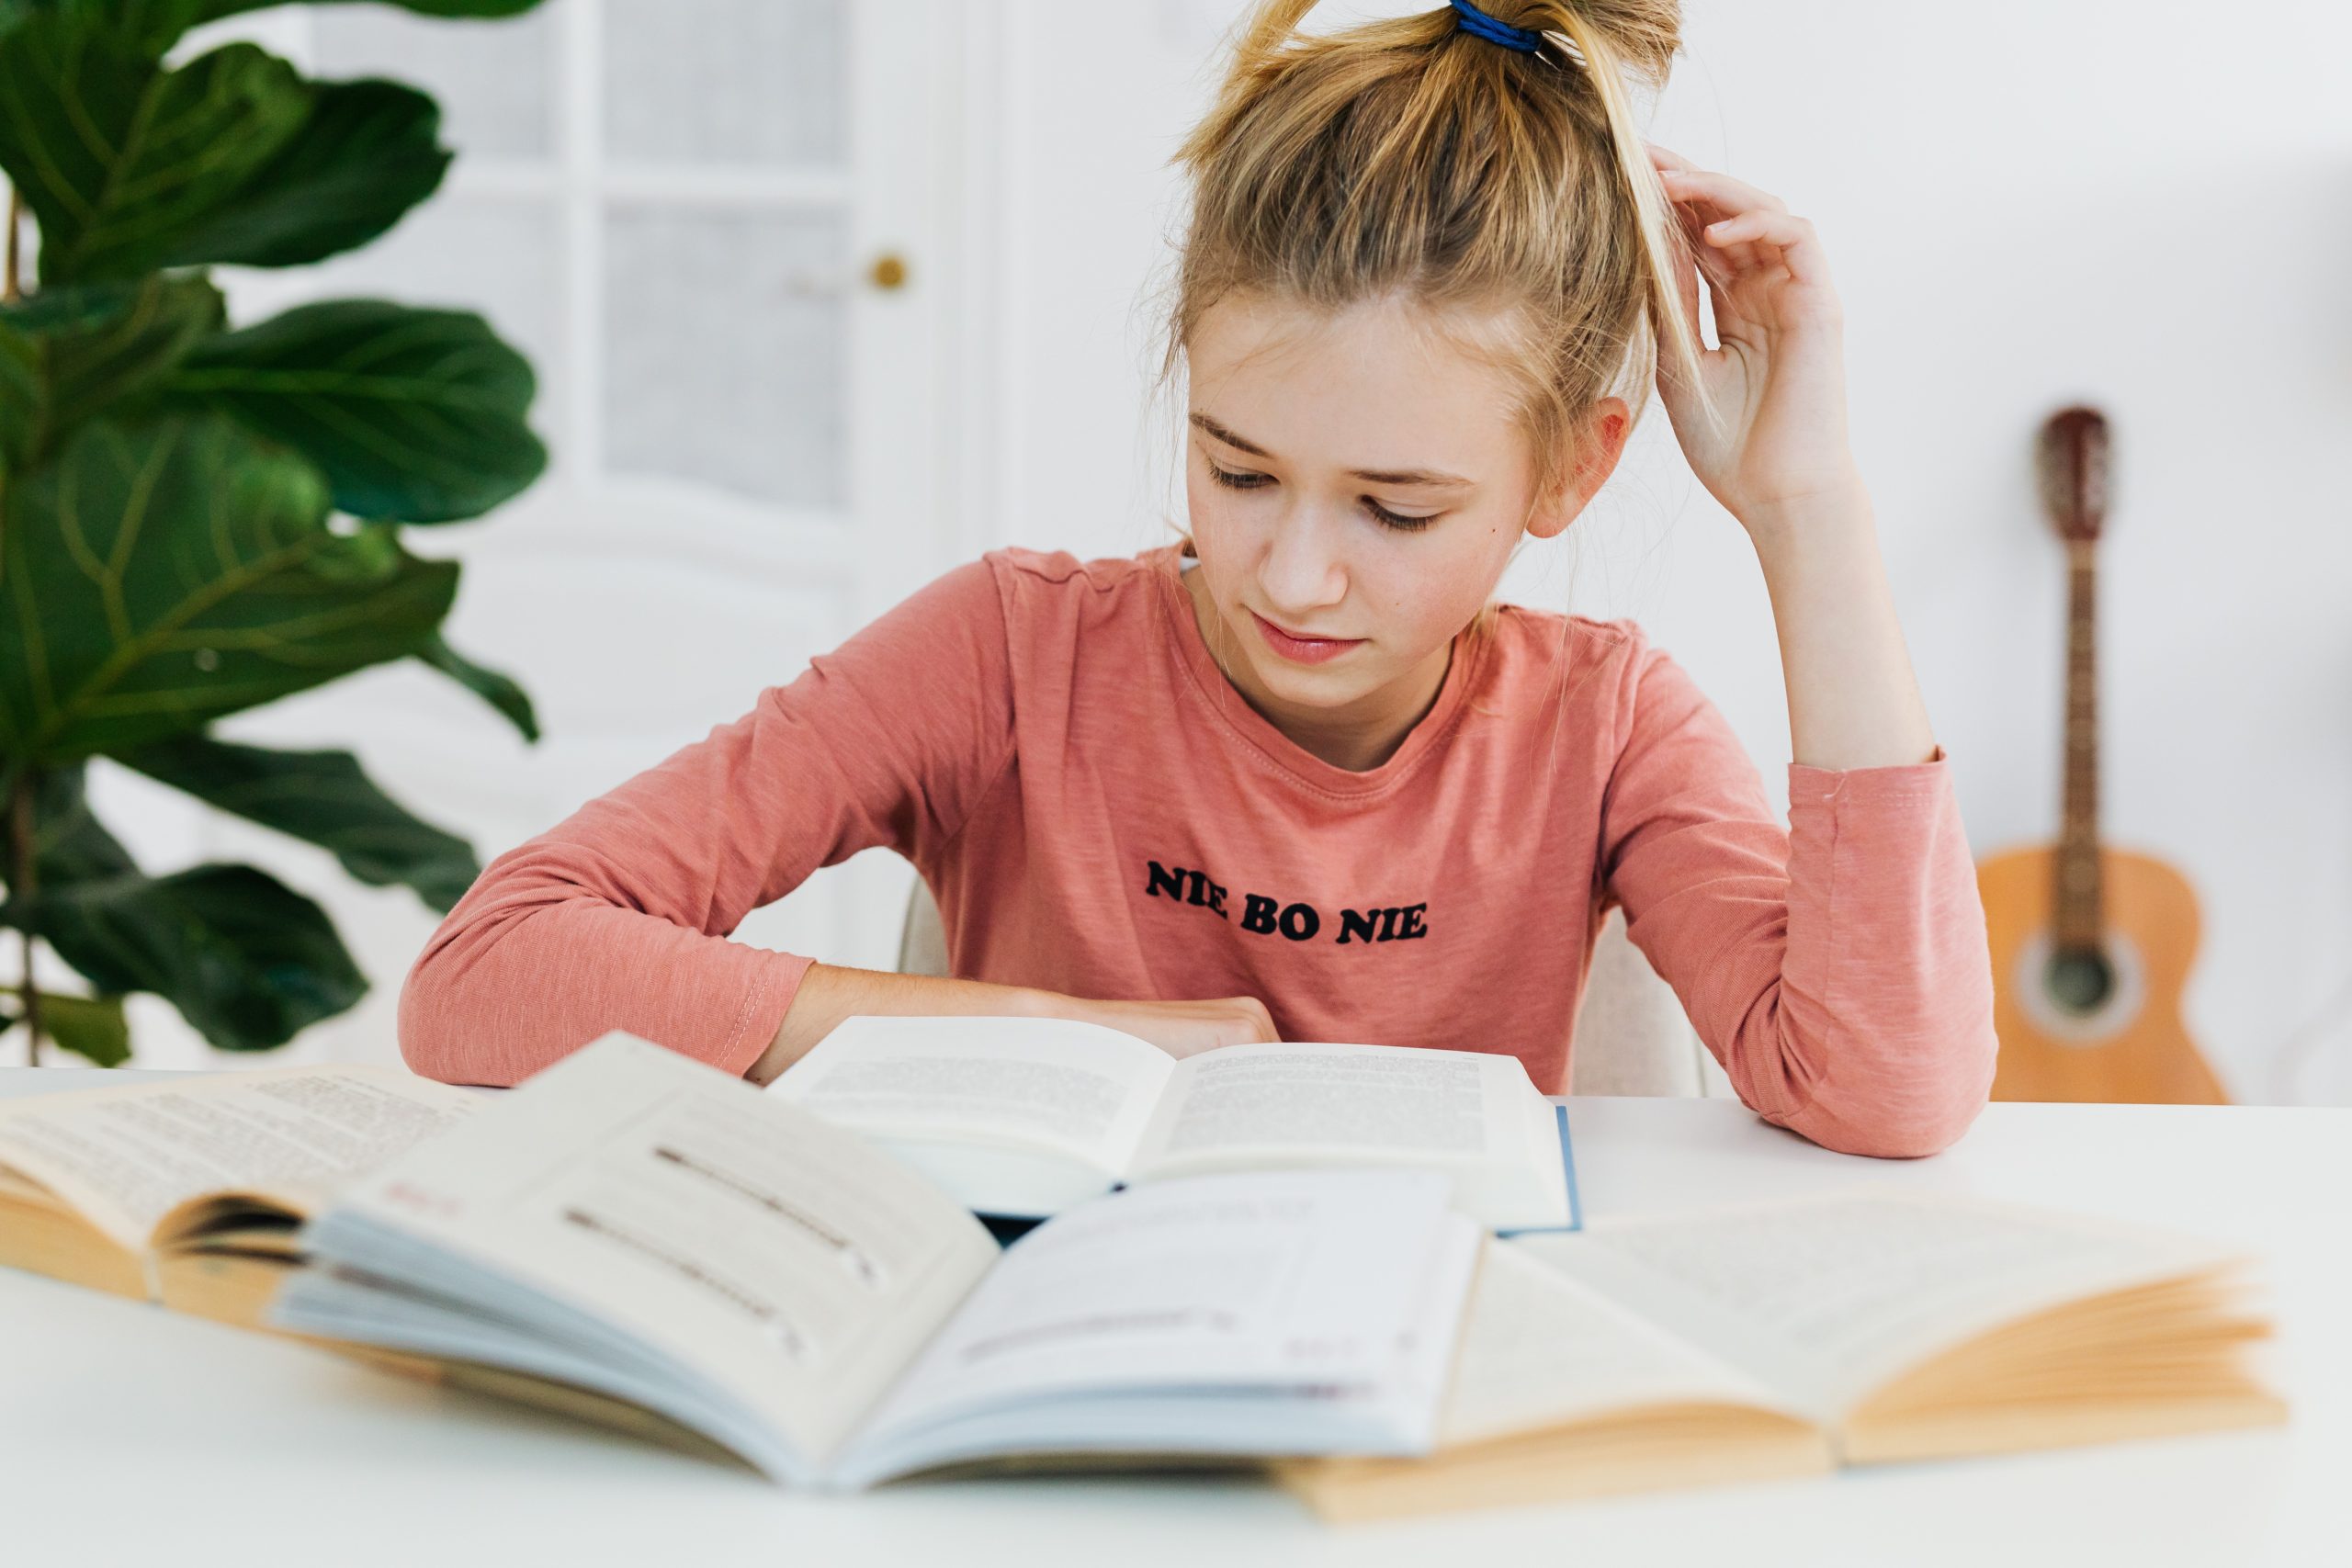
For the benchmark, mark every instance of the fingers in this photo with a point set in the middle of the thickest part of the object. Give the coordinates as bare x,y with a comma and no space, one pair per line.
1780,239
1733,196
1708,261
1750,229
1697,209
1261,1019
1686,280
1717,263
1711,204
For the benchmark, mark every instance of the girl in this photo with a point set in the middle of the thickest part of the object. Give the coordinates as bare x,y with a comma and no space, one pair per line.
1292,775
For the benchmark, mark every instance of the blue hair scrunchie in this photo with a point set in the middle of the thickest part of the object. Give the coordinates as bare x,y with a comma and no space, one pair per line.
1471,19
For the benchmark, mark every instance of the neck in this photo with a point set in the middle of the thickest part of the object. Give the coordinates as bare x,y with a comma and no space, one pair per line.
1357,736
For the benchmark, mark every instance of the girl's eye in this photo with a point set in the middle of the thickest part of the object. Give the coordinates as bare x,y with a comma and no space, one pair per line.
1232,479
1396,520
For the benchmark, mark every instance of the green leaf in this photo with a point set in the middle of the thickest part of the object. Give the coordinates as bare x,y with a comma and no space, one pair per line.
158,575
154,26
94,345
129,22
416,415
69,843
248,961
118,157
158,24
321,797
232,157
500,690
88,1026
369,153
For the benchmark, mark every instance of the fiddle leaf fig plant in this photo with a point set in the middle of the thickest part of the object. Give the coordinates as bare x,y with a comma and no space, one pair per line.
197,518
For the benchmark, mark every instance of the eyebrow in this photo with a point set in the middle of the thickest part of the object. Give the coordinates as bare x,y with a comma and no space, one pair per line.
1376,476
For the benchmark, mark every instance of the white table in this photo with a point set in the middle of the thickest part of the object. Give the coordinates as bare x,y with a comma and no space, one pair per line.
131,1435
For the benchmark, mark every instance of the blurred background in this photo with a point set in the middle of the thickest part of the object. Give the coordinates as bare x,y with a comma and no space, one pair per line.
827,297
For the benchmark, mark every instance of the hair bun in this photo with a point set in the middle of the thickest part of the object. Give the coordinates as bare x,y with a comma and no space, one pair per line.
1639,36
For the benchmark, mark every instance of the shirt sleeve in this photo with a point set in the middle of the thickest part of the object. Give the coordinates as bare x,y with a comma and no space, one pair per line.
1839,968
617,917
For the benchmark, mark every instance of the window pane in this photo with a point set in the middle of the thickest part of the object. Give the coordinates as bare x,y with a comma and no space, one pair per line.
726,341
494,80
750,82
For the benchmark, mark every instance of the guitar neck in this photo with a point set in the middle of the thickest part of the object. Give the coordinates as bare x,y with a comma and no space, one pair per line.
2077,898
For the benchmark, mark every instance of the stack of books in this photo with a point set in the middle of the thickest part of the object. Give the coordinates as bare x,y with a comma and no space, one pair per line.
1359,1270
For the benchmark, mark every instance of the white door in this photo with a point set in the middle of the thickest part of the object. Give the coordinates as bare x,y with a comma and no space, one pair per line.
685,214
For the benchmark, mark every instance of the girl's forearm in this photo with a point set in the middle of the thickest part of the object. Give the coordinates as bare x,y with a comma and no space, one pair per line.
829,993
1853,701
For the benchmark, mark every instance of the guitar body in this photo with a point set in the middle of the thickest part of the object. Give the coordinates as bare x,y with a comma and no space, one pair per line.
2094,1029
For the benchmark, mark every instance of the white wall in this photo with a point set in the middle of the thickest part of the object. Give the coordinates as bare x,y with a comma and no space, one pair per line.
2026,203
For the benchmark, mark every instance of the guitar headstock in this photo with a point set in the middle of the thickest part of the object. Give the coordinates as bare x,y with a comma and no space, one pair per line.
2070,461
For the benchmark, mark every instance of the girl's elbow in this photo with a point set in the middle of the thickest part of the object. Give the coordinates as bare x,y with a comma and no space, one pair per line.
427,1045
1910,1120
473,1008
1880,1135
1906,1111
1917,1136
437,1038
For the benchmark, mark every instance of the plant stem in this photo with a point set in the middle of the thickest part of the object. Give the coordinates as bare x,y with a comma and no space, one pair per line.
20,890
14,290
20,812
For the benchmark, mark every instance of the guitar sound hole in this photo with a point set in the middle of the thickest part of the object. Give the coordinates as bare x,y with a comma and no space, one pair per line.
2079,981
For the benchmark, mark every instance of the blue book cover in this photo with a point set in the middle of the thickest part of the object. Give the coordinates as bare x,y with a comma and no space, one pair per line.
1568,1175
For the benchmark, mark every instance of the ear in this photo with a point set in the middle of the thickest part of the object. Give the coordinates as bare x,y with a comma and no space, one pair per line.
1595,444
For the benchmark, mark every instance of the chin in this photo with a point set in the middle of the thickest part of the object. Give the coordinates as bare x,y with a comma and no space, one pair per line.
1308,685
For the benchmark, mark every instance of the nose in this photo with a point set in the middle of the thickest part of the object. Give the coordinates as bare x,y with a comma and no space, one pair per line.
1302,572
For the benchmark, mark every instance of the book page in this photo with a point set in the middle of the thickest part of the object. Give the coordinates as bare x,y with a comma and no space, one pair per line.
126,1156
1369,1099
780,1261
1540,1350
1267,1106
1337,1281
1826,1297
1073,1087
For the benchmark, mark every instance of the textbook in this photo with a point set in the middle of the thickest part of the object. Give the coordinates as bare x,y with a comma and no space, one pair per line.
190,1193
635,1235
1022,1117
1763,1339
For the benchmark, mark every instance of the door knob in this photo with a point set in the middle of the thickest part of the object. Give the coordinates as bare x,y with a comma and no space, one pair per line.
888,272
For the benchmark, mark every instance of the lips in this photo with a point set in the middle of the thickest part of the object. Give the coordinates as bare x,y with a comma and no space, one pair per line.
1302,650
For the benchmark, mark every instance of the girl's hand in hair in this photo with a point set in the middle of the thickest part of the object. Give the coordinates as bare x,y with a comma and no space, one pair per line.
1782,465
1778,379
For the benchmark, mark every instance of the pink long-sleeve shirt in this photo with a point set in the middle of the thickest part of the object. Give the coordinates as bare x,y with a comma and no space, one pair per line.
1099,812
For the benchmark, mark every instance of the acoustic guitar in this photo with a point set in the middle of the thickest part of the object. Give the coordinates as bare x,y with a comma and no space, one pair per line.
2091,945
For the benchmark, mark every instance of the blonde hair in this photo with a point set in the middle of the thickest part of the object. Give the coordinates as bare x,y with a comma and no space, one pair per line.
1412,158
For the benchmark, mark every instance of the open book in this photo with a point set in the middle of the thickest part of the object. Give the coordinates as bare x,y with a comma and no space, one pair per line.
190,1193
635,1235
1764,1340
1022,1117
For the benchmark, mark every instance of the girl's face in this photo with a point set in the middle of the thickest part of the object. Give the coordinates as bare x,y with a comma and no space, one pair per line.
1356,481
